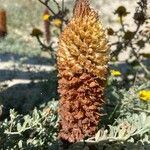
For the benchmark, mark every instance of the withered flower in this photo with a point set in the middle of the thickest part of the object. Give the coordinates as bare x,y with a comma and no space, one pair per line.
128,35
82,67
36,32
121,11
3,23
110,31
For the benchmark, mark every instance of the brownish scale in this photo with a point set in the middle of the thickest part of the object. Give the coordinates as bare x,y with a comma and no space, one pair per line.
82,60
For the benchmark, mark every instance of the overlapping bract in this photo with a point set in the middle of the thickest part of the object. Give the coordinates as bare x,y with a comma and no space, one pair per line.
82,66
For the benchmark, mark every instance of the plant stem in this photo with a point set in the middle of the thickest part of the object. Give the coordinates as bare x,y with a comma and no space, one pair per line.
45,4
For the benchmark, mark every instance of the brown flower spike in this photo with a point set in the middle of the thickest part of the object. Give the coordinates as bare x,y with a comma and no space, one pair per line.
3,23
82,66
47,31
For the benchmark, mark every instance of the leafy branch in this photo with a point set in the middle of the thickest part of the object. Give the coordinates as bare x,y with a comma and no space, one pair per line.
130,39
125,130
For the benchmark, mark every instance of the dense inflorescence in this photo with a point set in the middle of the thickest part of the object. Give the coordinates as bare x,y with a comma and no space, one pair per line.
3,25
82,66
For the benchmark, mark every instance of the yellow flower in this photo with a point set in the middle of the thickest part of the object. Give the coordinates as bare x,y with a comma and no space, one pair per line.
115,73
46,17
57,22
144,95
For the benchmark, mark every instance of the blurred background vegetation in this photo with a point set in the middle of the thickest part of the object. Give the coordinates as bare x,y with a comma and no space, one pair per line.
28,75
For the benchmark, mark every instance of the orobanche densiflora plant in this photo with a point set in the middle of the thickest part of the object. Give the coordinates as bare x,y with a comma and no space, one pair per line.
82,67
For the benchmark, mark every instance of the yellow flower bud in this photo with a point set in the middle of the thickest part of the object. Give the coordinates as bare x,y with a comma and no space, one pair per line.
46,17
57,22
